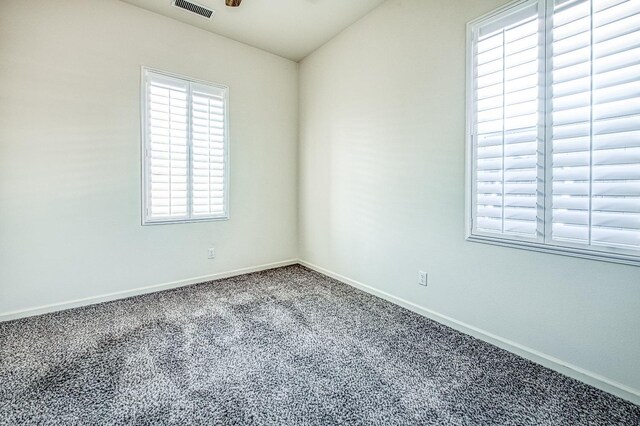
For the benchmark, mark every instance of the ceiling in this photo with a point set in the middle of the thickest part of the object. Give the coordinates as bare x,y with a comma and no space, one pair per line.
288,28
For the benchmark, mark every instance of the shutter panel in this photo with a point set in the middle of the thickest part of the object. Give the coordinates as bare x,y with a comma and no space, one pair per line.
596,123
508,84
167,147
208,159
185,149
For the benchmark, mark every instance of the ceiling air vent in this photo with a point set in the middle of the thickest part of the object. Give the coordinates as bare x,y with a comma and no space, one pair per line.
195,8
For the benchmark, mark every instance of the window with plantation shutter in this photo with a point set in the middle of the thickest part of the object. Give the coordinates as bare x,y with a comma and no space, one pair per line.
185,134
554,128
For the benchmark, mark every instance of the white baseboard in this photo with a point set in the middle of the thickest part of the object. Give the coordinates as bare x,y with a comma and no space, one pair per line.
568,369
39,310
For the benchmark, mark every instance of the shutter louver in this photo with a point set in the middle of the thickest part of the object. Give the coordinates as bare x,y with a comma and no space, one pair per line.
508,83
185,149
596,123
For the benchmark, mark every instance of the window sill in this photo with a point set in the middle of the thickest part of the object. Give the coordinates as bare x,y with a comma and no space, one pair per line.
183,221
559,250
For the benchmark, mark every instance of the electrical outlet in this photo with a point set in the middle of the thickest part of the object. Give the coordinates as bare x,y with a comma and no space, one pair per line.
212,253
422,278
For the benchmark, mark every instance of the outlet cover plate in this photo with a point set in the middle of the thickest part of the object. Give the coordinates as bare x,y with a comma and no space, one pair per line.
422,278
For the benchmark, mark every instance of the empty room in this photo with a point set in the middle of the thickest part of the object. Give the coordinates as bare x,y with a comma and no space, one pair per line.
320,212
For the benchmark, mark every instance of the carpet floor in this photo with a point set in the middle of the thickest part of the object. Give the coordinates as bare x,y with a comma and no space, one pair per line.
287,346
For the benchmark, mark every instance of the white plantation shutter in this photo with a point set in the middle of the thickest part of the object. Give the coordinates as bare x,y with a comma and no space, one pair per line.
185,149
167,153
208,159
566,135
508,124
596,123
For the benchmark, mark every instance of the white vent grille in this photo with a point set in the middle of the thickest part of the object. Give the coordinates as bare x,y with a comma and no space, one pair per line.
194,8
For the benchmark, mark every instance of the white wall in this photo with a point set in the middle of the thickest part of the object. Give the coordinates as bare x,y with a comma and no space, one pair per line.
382,119
70,152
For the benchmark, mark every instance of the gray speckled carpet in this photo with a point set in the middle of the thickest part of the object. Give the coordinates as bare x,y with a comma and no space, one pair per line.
282,347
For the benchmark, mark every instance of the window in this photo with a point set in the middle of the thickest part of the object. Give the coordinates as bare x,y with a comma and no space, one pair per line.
554,128
185,149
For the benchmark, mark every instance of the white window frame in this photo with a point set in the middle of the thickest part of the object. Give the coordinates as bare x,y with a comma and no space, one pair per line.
543,242
145,149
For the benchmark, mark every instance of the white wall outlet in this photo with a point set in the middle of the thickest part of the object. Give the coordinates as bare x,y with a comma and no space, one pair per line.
212,253
422,278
